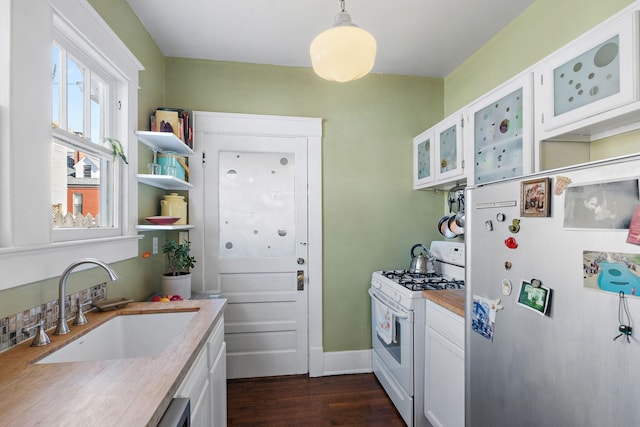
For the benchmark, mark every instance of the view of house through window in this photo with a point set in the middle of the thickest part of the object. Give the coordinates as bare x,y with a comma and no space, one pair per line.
82,168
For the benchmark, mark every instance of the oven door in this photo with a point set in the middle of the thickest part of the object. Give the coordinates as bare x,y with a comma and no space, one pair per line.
397,356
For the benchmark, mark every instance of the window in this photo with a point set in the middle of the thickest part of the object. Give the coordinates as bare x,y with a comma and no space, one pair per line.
63,196
77,203
81,116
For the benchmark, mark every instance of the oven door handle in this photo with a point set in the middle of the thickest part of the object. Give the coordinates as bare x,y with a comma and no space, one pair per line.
401,315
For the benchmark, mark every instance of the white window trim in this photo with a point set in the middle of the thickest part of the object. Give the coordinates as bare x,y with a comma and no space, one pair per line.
27,249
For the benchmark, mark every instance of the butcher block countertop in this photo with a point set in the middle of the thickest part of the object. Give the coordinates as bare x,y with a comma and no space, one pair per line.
122,392
451,299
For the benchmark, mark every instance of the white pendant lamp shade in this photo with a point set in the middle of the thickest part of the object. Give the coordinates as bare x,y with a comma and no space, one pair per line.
344,52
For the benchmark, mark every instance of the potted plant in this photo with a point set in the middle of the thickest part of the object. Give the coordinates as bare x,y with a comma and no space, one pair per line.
179,260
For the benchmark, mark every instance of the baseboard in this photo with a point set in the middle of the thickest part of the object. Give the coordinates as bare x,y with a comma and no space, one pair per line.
346,362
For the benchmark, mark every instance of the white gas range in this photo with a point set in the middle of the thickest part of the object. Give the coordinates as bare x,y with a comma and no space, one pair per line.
398,326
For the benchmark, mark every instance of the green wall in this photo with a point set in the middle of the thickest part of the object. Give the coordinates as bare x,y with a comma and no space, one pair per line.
540,30
138,277
371,215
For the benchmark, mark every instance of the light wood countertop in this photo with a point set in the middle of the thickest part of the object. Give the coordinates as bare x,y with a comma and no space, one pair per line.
123,392
451,299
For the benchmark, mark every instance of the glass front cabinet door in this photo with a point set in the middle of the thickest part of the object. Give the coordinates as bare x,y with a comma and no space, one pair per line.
595,73
438,154
499,134
423,160
449,155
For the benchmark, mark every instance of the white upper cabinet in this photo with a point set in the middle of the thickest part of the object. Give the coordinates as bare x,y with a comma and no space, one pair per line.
498,136
596,73
438,154
423,160
449,162
585,91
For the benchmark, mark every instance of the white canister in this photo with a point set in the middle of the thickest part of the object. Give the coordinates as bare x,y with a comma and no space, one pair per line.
174,205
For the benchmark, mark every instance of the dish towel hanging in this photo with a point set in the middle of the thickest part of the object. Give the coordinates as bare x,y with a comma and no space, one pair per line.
385,323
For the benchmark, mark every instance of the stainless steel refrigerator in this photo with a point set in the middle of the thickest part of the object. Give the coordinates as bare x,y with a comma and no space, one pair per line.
545,354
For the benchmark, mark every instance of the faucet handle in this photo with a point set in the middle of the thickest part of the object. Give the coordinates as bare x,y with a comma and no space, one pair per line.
81,319
41,338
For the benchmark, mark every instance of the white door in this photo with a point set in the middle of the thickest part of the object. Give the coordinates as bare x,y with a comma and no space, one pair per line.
255,249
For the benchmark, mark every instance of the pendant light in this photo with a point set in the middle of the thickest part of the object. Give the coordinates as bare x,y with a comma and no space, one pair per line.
344,52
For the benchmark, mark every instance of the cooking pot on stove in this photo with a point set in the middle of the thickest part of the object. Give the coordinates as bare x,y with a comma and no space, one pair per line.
423,263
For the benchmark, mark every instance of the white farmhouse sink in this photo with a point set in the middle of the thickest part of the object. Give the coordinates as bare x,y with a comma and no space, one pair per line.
124,336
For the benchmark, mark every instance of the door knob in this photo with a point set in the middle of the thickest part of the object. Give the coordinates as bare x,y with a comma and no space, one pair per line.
300,278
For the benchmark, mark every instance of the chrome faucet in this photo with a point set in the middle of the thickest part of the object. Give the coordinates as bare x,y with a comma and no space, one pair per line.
62,327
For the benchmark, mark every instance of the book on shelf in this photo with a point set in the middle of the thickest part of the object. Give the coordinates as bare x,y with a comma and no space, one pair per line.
176,120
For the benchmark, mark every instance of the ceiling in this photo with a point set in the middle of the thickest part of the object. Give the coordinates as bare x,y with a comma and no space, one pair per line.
427,38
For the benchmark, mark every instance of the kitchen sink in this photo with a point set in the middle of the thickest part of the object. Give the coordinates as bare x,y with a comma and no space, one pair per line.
124,336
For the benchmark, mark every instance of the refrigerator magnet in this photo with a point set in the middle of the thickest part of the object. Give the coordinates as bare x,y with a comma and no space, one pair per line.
500,217
506,287
483,316
515,226
535,299
488,225
507,265
535,283
560,184
511,243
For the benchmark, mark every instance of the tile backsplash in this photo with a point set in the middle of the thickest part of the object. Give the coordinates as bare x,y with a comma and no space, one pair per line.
11,326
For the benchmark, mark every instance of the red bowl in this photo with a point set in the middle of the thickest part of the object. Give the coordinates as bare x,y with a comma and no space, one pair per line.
162,220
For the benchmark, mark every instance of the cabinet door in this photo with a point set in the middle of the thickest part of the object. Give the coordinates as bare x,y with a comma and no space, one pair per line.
448,143
197,388
444,381
499,133
201,410
595,73
423,160
218,376
218,380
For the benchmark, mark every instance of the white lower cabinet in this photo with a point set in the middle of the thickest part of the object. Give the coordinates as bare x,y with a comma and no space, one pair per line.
444,367
206,382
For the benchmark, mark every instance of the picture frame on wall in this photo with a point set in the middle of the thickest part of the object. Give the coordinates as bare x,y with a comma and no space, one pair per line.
535,198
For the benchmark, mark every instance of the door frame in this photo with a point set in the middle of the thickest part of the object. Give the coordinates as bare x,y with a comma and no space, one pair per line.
282,126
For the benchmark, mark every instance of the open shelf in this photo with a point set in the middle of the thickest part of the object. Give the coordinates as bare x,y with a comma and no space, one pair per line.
151,227
164,142
166,182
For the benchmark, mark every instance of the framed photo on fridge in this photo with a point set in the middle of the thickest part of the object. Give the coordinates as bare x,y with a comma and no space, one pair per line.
535,197
534,298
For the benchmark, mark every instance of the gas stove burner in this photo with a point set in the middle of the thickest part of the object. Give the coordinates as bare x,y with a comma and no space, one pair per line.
406,275
433,285
422,282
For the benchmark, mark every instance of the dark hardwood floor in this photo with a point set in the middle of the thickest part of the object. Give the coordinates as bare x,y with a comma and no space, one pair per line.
341,400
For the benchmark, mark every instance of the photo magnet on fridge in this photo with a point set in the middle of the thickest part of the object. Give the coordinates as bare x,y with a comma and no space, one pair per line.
534,298
633,236
605,205
611,272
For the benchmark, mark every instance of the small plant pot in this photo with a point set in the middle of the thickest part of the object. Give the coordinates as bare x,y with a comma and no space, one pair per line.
177,285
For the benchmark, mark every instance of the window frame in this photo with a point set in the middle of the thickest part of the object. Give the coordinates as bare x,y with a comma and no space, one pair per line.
29,251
